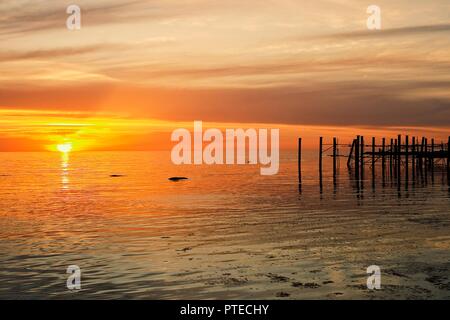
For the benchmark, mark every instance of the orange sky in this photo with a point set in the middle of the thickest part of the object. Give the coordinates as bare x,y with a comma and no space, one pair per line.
139,69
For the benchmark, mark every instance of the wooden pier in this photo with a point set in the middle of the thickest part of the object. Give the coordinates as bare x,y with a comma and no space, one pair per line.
402,155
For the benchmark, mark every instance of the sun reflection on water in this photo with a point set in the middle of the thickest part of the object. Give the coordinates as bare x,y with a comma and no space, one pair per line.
65,170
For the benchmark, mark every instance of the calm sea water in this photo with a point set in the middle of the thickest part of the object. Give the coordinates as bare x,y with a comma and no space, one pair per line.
228,232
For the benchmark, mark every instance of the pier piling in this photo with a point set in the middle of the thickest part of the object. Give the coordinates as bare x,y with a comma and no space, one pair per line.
383,157
300,161
320,154
406,157
357,154
362,157
334,156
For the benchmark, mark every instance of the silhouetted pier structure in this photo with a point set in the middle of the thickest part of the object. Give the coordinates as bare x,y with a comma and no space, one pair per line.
398,156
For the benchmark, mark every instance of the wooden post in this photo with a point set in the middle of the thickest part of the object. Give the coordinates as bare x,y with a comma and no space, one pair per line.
334,156
373,162
426,154
373,152
407,157
418,157
357,154
422,153
413,153
395,156
399,161
320,165
383,155
391,158
399,150
432,154
299,160
320,154
362,157
399,156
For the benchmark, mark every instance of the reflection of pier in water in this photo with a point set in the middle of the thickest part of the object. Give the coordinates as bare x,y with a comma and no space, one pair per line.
397,161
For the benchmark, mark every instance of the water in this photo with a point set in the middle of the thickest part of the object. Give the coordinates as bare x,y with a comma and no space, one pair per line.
228,232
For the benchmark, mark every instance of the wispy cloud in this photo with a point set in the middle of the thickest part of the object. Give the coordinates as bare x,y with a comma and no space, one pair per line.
55,53
393,32
24,17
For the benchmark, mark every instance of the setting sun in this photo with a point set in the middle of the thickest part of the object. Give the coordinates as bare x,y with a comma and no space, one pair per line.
64,147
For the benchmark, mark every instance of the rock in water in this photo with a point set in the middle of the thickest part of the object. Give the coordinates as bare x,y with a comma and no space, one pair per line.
177,178
116,175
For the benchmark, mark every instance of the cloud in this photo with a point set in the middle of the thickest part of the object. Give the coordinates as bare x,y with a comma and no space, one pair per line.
55,53
339,104
24,18
393,32
274,73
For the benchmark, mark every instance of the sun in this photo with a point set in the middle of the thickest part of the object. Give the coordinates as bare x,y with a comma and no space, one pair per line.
64,147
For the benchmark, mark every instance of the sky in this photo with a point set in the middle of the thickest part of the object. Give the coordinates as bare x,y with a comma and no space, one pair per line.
138,69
